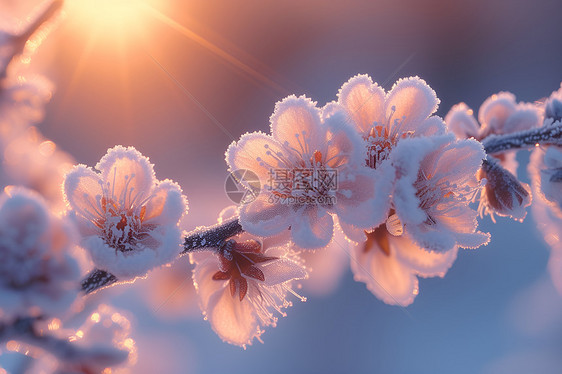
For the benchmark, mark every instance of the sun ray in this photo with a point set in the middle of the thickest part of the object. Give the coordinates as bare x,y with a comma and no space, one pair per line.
245,68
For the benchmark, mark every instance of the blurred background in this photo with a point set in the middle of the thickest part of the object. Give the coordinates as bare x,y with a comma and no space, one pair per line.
180,80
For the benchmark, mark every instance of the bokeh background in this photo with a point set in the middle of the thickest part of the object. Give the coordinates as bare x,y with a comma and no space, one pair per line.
185,78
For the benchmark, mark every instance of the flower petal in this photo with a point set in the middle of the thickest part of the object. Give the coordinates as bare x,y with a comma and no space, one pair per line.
363,101
413,101
127,174
386,277
167,204
233,320
363,199
83,191
494,111
282,270
312,228
425,263
461,122
256,152
262,218
296,124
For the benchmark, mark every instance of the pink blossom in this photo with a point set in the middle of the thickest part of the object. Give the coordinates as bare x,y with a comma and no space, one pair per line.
302,141
38,274
128,219
436,180
243,284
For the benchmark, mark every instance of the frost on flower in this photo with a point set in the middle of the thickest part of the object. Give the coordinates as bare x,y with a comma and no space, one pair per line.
310,169
243,284
500,114
127,218
382,120
389,265
38,276
436,180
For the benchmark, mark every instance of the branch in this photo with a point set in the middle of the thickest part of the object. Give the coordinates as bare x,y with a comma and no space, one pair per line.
212,236
96,280
199,239
545,135
23,330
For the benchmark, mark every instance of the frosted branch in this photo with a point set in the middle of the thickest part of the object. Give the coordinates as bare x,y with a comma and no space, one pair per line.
546,135
213,236
23,330
97,279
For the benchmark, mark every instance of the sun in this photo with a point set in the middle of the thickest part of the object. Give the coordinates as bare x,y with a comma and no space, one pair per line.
108,18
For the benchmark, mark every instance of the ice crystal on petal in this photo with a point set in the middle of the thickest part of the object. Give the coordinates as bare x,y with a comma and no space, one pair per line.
38,275
244,283
389,265
302,140
436,182
128,219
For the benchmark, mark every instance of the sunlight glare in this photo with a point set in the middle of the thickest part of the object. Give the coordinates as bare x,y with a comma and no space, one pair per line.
108,18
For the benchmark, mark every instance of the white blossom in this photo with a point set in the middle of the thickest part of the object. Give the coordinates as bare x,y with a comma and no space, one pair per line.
302,141
127,218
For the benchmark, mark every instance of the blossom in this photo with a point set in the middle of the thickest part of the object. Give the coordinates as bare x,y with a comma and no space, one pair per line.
300,160
436,180
128,219
500,114
242,284
38,275
389,265
383,120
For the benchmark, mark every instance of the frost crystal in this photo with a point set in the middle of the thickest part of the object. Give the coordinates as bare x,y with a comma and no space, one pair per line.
128,219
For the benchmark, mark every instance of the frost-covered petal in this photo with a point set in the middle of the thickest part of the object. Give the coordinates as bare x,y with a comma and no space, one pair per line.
363,199
425,263
413,100
127,175
166,204
206,286
461,122
312,228
386,277
282,270
233,320
83,191
525,117
494,111
296,124
256,152
262,218
343,148
363,101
